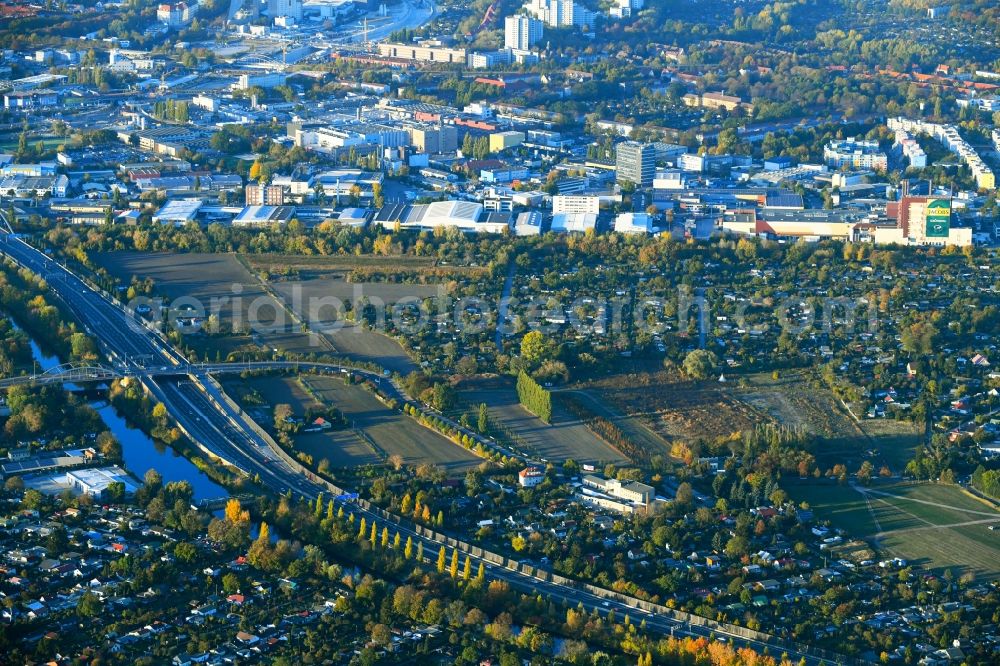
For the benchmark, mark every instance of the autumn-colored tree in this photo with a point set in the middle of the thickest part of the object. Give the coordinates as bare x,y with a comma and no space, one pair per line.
260,554
235,513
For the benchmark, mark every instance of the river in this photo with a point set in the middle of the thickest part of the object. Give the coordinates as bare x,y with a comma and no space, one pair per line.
139,451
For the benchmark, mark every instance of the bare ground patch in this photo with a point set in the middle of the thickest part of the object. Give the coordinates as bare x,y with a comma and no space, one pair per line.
567,437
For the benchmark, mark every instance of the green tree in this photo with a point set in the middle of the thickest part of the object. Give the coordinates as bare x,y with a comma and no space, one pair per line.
32,500
89,605
185,551
115,492
699,364
483,422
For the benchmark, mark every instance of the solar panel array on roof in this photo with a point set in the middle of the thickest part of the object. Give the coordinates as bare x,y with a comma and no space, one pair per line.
785,200
392,213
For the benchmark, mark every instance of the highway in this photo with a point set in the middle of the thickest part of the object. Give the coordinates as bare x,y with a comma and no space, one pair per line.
218,426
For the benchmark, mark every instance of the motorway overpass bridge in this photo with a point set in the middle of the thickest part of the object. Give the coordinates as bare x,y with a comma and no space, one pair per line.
79,373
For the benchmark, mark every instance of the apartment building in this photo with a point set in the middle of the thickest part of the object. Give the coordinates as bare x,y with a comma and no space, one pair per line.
521,32
855,154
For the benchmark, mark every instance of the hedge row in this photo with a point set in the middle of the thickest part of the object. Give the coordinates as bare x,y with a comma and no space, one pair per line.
533,397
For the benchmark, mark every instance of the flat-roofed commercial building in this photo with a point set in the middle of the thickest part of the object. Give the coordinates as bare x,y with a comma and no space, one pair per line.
576,204
423,53
503,140
622,496
96,481
712,100
434,139
466,216
923,221
259,216
178,212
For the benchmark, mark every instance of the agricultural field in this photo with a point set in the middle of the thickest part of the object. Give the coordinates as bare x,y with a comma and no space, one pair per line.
392,432
242,299
936,526
349,340
794,402
191,275
342,448
566,438
338,287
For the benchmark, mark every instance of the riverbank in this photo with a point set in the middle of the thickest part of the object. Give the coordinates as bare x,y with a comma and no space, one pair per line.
140,452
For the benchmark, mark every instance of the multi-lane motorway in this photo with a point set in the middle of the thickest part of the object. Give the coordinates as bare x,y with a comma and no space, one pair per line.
218,426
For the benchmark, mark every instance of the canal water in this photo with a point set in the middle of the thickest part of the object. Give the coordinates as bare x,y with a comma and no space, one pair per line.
139,451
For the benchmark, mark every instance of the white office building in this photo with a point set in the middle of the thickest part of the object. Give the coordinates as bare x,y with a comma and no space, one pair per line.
581,203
